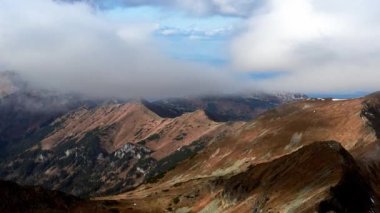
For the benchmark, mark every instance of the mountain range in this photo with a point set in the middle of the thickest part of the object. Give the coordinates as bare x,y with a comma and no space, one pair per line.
253,152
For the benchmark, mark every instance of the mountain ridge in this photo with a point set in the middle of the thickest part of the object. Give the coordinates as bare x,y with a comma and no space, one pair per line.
199,154
272,137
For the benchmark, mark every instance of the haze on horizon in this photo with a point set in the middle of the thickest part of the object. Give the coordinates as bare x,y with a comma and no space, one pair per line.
142,48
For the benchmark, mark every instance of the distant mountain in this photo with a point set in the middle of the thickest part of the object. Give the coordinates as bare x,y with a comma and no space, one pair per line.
223,108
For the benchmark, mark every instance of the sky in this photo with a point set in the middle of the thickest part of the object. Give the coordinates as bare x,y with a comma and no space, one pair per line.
165,48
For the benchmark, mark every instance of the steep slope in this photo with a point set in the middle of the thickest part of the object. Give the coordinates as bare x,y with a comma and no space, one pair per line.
273,144
287,184
110,149
368,156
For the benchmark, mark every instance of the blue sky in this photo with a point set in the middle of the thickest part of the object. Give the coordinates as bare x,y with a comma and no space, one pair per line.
202,39
182,36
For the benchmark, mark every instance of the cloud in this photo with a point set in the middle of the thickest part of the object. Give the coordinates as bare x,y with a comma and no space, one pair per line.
222,7
321,46
72,47
195,33
304,46
198,7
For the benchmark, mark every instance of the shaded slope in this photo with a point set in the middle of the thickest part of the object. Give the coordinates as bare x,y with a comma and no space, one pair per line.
369,156
20,199
16,198
321,176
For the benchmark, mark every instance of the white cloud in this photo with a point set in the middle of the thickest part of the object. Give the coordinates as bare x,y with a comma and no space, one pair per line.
322,45
196,33
74,48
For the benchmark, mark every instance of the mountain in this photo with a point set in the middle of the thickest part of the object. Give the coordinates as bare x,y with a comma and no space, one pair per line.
96,147
223,108
109,148
284,161
25,108
248,153
286,184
